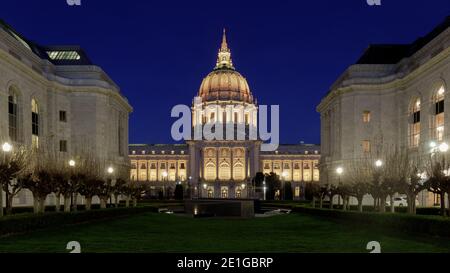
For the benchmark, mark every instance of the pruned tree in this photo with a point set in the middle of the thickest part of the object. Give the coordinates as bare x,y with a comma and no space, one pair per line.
437,169
13,164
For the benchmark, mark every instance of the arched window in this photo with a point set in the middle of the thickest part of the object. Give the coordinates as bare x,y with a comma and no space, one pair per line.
34,123
224,171
414,127
210,171
238,193
438,118
238,171
224,192
212,117
12,116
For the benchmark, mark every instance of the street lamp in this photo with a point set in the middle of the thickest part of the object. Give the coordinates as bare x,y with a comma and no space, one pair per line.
72,163
339,171
110,170
283,176
6,147
443,147
378,163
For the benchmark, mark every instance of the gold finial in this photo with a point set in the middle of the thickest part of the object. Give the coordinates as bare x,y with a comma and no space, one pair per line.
224,56
224,40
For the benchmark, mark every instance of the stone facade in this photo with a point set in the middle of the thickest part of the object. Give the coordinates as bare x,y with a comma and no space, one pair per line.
222,168
54,97
395,95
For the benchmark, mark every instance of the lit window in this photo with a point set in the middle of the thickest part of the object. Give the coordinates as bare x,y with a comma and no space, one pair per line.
12,113
414,129
366,146
297,191
438,119
34,123
63,55
366,116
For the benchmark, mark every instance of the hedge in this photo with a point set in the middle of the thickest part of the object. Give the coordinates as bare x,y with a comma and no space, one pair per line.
430,225
30,222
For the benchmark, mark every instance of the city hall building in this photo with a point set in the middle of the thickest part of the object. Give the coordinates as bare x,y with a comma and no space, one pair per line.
395,95
55,98
222,168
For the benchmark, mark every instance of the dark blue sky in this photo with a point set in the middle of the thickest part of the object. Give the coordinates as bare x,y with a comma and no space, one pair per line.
159,51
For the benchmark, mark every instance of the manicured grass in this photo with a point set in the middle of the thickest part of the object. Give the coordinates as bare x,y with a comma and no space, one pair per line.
150,232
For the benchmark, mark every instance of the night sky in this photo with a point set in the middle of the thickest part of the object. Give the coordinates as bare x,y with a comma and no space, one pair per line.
159,51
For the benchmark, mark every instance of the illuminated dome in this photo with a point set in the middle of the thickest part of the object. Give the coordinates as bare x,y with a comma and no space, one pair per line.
225,83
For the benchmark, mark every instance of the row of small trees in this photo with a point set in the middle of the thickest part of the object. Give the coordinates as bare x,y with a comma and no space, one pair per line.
44,172
397,172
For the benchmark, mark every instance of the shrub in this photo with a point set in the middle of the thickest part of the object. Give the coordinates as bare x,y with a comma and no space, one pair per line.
430,225
31,222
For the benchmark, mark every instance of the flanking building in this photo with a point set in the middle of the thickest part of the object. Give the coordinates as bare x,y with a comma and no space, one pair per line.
222,168
55,98
393,95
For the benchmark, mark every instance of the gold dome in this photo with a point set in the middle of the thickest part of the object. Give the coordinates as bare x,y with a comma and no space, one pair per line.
225,83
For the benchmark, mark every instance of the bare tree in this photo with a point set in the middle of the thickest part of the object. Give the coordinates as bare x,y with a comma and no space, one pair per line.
437,169
12,165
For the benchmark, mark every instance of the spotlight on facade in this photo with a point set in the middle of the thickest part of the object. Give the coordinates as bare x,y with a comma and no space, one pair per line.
378,163
6,147
243,186
284,174
443,147
110,170
339,170
205,186
432,144
72,163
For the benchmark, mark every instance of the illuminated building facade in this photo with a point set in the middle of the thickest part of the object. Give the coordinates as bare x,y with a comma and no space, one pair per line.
222,168
395,95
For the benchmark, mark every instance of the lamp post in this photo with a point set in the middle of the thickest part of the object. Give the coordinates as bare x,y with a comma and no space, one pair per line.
283,176
164,175
72,164
110,172
7,149
339,171
264,187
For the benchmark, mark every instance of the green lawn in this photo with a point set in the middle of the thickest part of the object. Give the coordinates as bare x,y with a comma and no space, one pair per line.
151,232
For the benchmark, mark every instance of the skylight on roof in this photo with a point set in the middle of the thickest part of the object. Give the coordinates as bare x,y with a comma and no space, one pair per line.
64,55
20,40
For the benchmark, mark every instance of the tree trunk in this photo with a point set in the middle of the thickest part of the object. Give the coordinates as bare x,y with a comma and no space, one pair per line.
42,204
88,202
66,203
116,200
58,202
75,202
127,202
134,202
382,203
331,201
313,202
103,202
344,203
321,202
391,197
1,200
9,205
360,203
35,204
443,212
448,203
375,208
